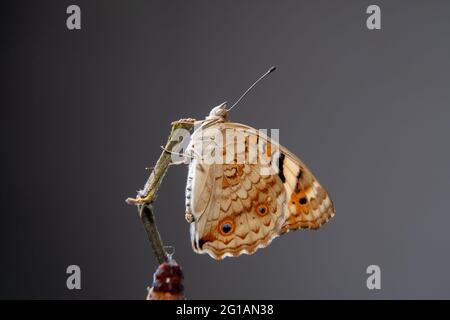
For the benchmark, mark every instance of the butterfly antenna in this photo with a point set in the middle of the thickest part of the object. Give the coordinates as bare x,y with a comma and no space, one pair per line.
272,69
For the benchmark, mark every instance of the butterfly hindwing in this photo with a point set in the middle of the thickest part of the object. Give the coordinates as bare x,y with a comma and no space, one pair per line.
309,205
245,213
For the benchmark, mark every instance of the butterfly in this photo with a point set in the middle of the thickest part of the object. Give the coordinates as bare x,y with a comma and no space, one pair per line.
237,207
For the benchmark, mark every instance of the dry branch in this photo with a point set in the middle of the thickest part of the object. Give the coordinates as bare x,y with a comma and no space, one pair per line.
146,196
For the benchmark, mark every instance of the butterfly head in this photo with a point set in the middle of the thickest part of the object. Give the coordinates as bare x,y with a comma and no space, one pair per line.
219,113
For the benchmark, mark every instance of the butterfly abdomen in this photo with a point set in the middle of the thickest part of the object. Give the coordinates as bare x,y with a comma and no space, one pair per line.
188,214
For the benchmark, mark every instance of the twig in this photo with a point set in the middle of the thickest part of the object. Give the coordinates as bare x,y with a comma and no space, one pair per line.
146,196
148,220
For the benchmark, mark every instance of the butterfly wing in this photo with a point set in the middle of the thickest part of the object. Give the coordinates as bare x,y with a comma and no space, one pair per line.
309,205
239,207
236,207
244,213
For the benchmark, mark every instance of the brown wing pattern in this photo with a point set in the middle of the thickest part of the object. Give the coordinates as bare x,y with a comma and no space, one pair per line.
237,208
246,212
308,203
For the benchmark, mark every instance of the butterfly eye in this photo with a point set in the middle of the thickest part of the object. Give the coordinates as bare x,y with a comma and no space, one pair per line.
226,227
262,209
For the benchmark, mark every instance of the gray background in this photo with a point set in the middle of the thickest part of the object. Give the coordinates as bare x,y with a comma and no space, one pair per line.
83,112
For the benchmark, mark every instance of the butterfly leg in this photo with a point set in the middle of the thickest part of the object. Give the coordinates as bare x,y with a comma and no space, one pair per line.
184,155
170,164
177,162
189,217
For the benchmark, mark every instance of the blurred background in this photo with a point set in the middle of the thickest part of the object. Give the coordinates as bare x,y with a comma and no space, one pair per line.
83,112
